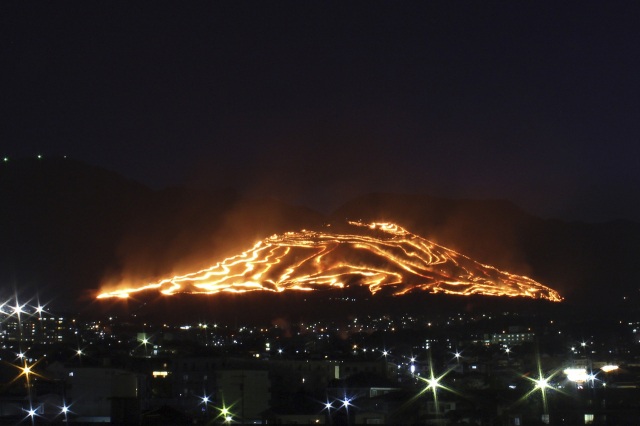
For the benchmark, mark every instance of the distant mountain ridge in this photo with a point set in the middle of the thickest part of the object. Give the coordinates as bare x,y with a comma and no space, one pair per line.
66,227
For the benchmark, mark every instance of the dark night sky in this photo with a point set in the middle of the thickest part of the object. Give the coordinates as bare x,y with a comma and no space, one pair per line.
313,102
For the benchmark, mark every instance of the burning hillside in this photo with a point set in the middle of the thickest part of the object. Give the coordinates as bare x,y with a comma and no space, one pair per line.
380,256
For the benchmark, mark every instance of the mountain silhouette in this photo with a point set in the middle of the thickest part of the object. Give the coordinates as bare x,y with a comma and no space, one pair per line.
68,228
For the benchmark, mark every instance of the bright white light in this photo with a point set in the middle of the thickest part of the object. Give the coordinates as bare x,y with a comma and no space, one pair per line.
433,383
346,403
457,355
205,399
576,374
413,368
542,383
608,368
64,409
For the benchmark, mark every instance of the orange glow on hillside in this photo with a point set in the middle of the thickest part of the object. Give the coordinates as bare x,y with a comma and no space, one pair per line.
375,255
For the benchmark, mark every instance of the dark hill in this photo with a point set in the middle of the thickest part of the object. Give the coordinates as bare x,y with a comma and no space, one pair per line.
59,221
67,227
590,262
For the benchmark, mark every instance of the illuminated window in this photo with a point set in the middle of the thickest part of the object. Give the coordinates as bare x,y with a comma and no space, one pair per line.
588,419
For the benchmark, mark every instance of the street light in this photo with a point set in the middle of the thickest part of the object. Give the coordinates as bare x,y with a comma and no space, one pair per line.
225,414
346,403
434,383
64,410
80,353
542,384
205,400
32,413
328,406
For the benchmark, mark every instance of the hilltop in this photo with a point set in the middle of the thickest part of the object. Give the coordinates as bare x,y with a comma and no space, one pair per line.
68,227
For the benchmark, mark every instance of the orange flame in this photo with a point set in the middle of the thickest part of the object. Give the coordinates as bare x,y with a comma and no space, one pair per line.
379,255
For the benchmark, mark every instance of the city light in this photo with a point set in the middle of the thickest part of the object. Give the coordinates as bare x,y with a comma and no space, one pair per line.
64,411
578,375
26,370
542,384
433,384
416,373
225,413
18,309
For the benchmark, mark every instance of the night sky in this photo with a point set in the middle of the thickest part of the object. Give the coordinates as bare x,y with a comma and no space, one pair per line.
315,102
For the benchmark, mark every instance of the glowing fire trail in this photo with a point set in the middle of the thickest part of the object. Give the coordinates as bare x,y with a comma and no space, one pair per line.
379,255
